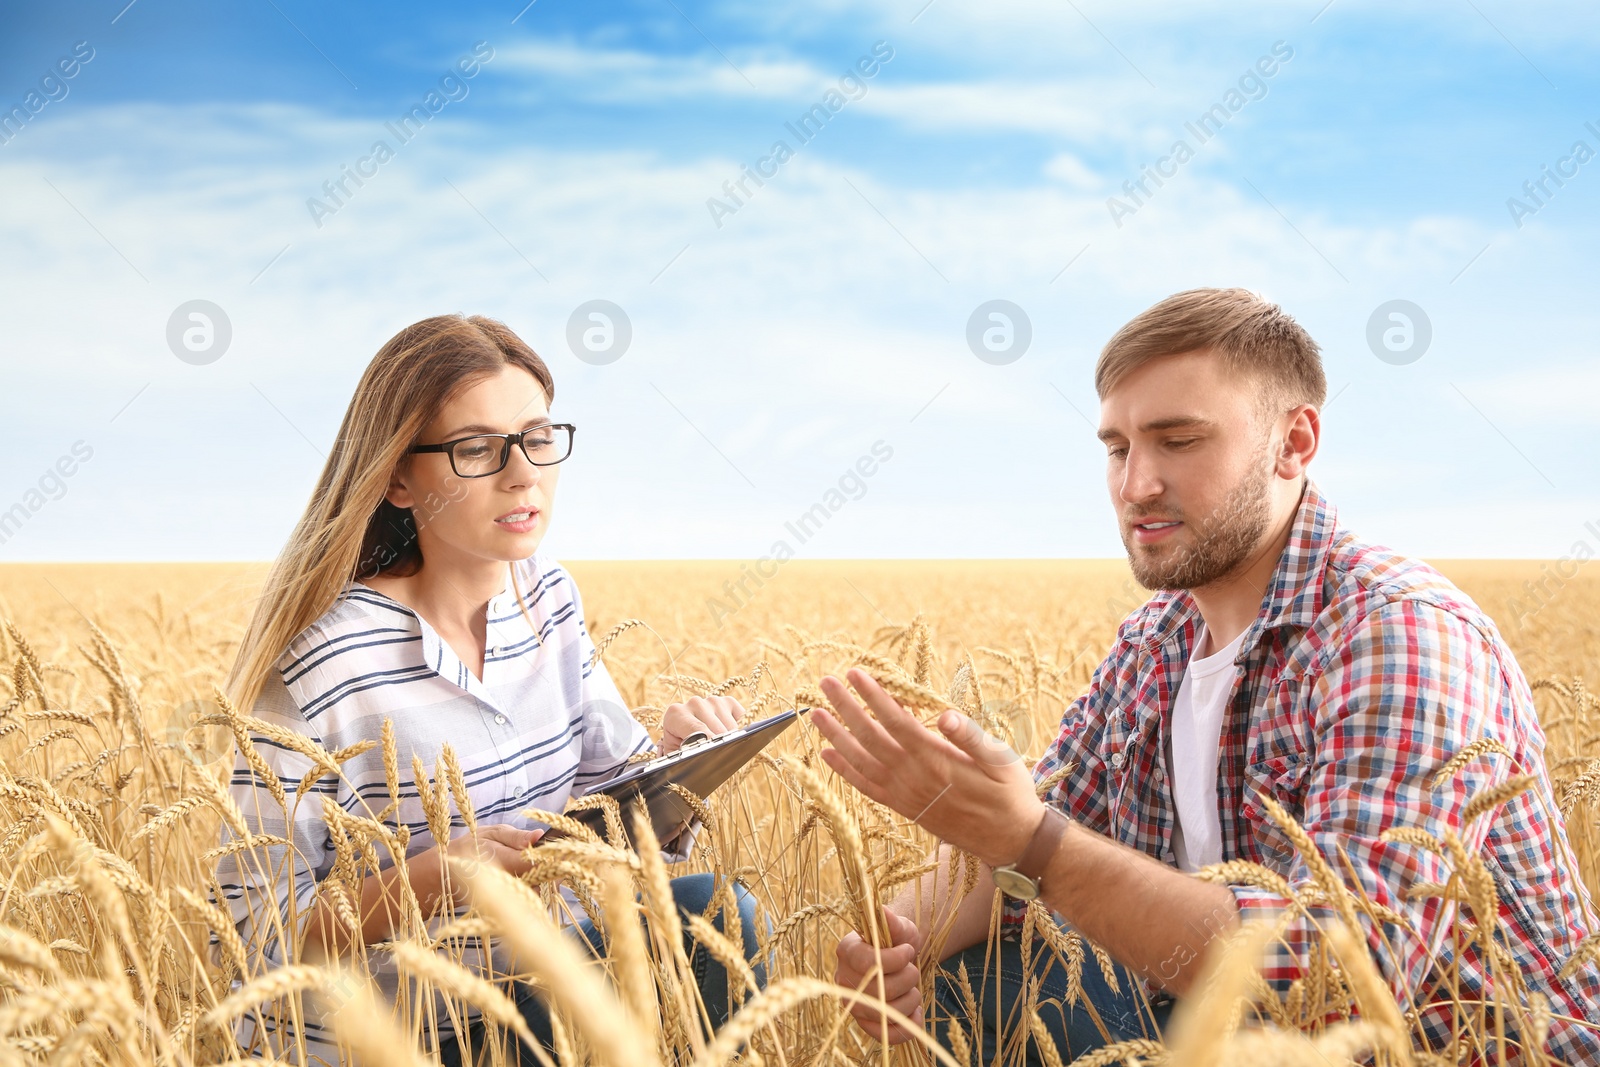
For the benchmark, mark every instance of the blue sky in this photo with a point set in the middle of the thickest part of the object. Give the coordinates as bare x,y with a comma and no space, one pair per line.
829,309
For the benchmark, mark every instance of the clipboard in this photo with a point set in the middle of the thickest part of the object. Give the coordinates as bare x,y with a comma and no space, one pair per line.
700,765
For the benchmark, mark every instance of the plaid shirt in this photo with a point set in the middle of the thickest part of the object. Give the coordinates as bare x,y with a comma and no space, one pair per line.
1362,675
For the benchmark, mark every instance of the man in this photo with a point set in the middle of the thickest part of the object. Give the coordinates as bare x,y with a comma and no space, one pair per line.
1281,658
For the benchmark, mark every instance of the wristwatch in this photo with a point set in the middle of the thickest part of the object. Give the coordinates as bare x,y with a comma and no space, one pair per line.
1021,879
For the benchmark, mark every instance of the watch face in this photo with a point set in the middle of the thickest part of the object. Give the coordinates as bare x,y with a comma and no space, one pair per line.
1015,884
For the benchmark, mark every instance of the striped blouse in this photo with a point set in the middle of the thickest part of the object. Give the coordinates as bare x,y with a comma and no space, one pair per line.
540,726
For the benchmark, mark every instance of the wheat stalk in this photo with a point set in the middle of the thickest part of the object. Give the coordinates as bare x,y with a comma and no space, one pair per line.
114,949
1468,753
573,982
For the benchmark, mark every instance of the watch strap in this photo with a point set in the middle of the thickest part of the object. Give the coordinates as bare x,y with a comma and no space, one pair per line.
1036,857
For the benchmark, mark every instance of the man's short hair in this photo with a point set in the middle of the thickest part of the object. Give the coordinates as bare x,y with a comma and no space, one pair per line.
1254,336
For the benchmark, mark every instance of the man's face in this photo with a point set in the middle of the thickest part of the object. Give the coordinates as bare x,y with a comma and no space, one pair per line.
1188,464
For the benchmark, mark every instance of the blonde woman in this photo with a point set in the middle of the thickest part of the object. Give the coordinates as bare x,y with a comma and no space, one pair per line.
413,590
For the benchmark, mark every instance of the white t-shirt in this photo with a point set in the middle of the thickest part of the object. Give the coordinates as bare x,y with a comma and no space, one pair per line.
1197,715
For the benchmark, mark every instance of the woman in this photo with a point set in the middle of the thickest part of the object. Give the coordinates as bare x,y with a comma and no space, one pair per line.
412,591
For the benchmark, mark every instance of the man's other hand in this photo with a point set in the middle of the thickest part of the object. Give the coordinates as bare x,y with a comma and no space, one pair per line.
901,978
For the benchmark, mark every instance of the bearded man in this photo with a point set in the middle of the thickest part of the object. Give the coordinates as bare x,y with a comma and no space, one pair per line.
1283,666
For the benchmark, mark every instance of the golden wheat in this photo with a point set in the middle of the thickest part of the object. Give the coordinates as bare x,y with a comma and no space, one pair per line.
114,747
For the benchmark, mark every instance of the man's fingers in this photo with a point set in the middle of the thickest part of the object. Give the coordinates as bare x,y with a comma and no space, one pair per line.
898,724
895,984
874,1031
959,739
864,785
862,958
900,991
844,953
838,693
902,931
869,1015
848,745
867,730
896,1034
988,751
905,1004
873,1028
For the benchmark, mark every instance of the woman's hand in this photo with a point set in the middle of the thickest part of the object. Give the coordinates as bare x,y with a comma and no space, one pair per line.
501,845
713,715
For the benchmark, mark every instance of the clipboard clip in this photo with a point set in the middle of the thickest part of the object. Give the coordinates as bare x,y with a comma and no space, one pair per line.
696,737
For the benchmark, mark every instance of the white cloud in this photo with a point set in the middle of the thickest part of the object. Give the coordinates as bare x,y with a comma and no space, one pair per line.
1034,27
825,314
1068,168
1565,391
1083,104
1079,108
629,75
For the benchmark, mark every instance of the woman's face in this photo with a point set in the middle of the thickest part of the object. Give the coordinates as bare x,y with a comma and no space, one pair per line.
500,517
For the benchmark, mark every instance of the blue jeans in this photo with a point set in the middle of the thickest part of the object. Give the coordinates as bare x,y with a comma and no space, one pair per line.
1001,996
692,894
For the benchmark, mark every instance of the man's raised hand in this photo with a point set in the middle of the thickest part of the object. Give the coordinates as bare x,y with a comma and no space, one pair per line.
960,784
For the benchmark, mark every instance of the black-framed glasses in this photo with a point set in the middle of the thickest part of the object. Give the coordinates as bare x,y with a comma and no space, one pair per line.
484,454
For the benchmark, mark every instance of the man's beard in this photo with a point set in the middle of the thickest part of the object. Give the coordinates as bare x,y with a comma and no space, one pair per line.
1221,543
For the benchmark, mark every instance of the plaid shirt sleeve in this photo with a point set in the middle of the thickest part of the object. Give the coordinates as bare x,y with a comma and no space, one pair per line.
1408,686
1081,792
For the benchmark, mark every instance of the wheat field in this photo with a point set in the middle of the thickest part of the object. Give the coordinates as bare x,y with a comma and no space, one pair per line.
114,752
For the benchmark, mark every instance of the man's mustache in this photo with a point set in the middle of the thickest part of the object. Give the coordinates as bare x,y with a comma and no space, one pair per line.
1165,515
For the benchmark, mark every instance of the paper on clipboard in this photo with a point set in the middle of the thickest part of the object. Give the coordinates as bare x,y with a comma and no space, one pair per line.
699,767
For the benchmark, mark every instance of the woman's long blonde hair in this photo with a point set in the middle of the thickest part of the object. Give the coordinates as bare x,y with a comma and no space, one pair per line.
349,530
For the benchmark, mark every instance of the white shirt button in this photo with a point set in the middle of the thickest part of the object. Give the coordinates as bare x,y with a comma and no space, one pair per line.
1117,760
501,719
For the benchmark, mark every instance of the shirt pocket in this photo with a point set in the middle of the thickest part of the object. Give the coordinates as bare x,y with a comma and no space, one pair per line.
1281,776
1110,752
